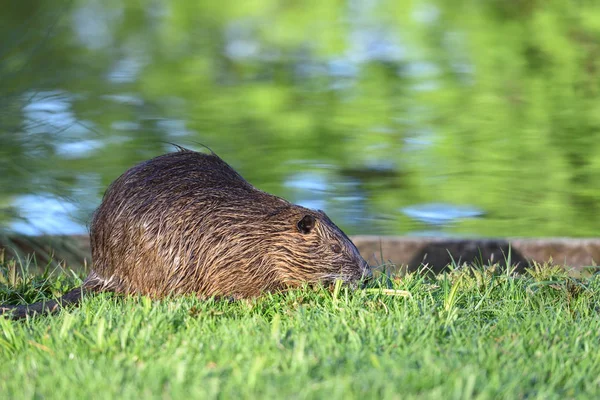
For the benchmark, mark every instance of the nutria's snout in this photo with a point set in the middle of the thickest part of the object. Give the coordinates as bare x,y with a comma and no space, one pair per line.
367,275
359,277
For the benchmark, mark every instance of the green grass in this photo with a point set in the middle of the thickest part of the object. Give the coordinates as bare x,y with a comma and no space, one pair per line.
459,336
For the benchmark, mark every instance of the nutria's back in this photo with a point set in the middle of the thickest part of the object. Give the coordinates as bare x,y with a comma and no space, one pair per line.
187,222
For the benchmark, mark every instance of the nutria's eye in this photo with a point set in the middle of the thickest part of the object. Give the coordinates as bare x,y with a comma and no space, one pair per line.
336,248
306,224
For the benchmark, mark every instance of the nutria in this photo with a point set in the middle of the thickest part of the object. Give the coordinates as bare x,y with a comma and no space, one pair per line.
186,222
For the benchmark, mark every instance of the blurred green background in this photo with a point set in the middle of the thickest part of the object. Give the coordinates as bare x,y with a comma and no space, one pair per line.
462,117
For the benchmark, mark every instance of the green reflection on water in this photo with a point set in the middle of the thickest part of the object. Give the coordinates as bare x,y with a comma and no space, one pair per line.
361,108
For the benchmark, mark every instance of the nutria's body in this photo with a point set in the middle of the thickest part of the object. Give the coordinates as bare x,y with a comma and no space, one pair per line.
186,222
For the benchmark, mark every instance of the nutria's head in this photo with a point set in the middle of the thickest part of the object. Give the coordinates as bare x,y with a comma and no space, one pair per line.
309,247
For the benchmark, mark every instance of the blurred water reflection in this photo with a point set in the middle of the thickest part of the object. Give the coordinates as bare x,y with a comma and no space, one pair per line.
415,117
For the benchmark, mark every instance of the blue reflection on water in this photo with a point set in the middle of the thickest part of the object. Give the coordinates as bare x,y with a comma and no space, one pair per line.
441,213
46,214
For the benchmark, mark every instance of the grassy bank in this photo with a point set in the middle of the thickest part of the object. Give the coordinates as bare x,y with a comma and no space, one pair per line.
459,336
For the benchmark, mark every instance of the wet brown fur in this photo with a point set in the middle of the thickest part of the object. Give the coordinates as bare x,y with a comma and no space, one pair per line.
186,222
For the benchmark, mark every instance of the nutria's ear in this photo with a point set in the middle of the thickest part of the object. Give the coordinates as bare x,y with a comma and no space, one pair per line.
306,224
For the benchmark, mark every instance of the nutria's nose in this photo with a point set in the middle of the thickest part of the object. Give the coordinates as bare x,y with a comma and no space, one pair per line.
367,273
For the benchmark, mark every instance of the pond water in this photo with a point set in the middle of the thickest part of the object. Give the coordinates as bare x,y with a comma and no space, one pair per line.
395,117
